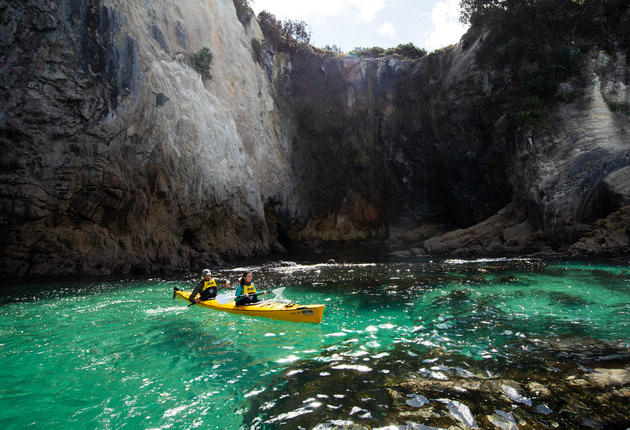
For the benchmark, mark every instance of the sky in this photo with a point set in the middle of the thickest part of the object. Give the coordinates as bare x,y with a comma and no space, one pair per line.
429,24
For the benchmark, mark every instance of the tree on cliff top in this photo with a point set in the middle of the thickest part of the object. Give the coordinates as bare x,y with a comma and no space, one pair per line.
608,18
243,11
284,36
471,10
404,50
543,43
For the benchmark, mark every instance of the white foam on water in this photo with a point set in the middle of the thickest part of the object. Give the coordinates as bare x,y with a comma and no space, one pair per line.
380,355
254,392
174,411
164,310
287,270
340,334
357,367
288,359
289,415
355,354
242,269
356,409
485,260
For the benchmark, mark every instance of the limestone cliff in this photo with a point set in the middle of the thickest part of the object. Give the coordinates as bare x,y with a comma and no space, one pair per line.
415,141
119,158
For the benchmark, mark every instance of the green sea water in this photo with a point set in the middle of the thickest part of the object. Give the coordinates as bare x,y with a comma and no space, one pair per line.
124,354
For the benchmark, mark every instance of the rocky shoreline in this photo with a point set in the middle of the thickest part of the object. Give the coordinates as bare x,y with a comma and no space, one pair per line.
555,383
507,235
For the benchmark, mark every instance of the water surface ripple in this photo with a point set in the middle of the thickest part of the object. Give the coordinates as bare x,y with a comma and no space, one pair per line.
401,342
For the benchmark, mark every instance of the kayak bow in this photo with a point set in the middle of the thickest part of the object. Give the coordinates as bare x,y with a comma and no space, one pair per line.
267,309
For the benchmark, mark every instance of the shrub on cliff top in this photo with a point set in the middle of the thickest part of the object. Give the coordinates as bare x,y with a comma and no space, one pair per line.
373,52
334,49
271,28
296,32
285,36
407,50
404,50
202,60
243,11
607,20
543,44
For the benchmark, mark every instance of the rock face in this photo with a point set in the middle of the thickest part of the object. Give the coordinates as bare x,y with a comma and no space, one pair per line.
119,158
413,140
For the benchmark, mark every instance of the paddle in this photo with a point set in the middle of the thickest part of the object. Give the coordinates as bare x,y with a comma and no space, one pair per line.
225,299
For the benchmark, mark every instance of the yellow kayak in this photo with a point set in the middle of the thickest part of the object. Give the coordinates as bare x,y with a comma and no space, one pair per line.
267,309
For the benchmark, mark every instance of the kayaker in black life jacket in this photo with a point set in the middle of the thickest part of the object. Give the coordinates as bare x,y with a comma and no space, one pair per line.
206,288
246,288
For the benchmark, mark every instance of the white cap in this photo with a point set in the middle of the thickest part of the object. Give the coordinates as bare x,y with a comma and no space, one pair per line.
205,272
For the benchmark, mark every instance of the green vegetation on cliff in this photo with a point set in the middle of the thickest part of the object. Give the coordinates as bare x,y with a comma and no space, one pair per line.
202,60
542,44
403,50
243,11
295,36
285,36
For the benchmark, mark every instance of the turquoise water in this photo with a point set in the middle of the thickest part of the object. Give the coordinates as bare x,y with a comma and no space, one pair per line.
125,354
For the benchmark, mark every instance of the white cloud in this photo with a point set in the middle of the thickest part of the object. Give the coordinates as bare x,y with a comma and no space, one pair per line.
365,10
446,26
284,9
387,30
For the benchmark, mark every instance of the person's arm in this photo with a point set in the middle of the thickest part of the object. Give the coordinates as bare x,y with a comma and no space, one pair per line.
239,290
195,291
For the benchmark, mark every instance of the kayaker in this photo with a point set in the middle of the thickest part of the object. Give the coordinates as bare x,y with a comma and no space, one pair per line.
206,288
246,288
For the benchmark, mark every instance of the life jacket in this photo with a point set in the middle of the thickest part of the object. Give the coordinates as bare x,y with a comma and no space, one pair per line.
208,284
249,289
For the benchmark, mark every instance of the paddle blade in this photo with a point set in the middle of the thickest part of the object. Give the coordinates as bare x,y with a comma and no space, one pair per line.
278,291
224,299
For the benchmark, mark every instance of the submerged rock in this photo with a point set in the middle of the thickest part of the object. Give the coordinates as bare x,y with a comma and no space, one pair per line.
515,396
605,378
543,409
417,401
460,412
503,420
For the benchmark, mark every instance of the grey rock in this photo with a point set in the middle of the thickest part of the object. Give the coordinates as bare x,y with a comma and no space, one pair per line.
515,396
417,401
460,412
543,409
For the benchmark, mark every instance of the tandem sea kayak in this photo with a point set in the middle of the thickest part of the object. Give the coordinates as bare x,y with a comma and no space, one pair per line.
266,309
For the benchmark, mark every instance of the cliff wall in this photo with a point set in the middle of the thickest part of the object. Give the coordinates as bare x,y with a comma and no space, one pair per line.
119,158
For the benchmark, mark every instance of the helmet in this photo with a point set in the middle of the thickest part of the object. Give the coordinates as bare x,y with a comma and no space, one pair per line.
205,272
